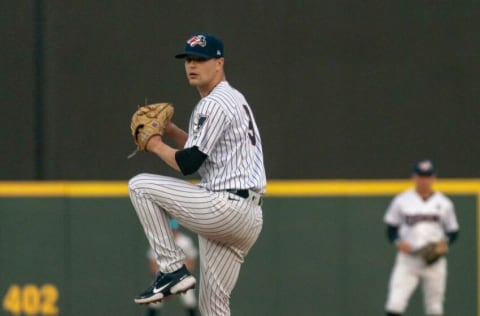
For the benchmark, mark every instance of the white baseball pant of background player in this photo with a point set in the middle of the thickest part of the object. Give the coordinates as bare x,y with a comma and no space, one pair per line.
405,277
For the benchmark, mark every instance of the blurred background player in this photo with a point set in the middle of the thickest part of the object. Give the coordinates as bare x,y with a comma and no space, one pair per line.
415,218
188,300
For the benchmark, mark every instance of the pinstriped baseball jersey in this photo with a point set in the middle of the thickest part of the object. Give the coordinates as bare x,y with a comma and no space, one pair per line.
223,127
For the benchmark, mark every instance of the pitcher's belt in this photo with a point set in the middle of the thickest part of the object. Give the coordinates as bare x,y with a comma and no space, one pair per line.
248,194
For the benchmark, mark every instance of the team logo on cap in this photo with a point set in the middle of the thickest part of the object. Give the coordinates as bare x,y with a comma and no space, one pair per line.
197,40
425,165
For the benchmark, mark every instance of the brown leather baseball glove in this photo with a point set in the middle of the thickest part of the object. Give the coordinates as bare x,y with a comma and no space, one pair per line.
148,121
431,252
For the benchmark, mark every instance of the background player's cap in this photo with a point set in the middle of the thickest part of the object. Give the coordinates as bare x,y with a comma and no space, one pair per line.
202,45
174,224
424,168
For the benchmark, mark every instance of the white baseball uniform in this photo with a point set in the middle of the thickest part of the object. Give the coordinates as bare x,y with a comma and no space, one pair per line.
222,126
420,222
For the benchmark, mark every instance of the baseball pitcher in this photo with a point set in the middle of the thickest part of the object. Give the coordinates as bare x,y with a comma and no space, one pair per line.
223,145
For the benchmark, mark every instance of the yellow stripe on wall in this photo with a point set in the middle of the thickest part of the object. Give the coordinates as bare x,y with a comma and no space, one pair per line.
63,188
363,187
285,188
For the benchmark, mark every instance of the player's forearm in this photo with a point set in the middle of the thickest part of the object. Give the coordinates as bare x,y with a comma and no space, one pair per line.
190,264
178,135
162,150
452,236
392,233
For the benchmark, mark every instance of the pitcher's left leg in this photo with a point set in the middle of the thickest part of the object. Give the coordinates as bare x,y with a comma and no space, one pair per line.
219,270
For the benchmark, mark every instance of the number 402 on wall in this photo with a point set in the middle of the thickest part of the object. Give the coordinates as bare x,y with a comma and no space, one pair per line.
31,300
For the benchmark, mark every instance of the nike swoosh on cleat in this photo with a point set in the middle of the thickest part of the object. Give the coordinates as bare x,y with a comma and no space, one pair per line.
155,290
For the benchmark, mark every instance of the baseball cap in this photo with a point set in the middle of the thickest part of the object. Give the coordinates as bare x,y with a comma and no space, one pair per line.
202,45
174,224
424,168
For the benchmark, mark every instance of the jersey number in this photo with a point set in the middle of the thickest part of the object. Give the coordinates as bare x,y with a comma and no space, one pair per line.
251,131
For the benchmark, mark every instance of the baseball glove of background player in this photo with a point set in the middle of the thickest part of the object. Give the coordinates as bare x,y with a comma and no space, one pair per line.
431,252
148,121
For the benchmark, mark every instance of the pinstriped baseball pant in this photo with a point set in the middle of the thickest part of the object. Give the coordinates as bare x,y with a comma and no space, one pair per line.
227,225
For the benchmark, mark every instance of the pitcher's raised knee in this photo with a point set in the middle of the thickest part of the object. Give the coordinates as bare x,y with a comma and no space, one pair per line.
136,182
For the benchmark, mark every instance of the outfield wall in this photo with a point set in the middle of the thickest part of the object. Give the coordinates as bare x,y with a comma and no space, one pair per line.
357,89
77,248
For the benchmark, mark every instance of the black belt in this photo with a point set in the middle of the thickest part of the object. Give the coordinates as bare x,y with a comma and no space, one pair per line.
241,193
245,194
